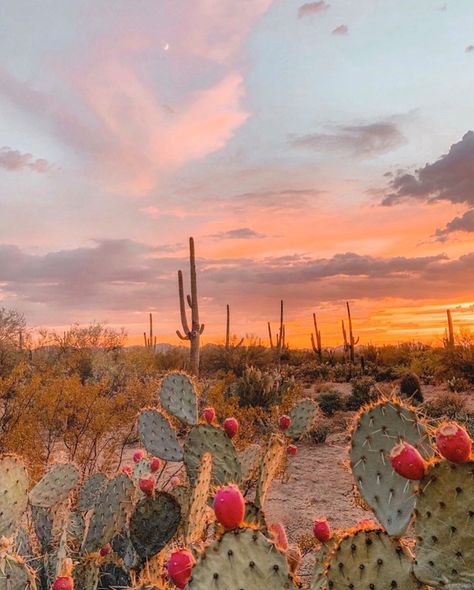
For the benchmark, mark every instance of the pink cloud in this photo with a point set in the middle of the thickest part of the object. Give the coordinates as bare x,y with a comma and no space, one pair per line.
341,30
13,160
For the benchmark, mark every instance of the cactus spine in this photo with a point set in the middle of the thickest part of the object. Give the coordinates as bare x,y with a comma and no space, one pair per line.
193,334
316,341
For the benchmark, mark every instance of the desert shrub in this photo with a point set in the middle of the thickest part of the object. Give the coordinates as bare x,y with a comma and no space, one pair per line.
319,433
257,388
446,404
330,402
363,392
410,387
458,384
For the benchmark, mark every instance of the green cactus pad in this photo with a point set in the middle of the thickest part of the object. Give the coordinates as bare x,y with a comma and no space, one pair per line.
13,494
241,559
123,547
15,574
75,527
370,559
22,545
154,522
444,526
302,417
43,525
110,513
113,576
210,439
378,429
86,574
250,459
90,491
141,469
270,465
178,397
158,436
196,519
55,485
319,580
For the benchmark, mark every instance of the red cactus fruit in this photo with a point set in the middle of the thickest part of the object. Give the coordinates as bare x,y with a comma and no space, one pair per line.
209,415
322,530
179,567
284,422
155,464
229,506
278,533
63,583
453,443
175,481
291,449
407,461
147,484
105,550
127,469
138,455
231,427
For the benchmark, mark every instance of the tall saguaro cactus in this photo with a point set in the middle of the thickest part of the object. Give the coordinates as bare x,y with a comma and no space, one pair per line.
281,336
193,334
227,333
349,344
450,332
150,340
316,342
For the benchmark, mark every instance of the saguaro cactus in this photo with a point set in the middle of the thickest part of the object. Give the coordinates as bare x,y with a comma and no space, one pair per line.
349,343
449,339
150,340
280,337
227,332
193,334
316,341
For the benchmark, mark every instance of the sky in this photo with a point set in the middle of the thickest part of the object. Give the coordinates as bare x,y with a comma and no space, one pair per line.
317,152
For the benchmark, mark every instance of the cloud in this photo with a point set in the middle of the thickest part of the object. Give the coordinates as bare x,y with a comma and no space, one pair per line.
463,223
470,49
13,160
241,233
450,178
340,30
363,140
273,201
311,8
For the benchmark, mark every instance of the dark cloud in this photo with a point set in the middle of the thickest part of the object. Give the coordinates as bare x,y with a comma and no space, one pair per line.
240,233
464,223
14,160
311,8
470,49
273,201
450,178
341,30
363,140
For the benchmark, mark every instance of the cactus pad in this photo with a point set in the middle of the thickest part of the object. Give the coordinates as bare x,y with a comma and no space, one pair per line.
378,429
43,525
196,519
178,397
270,465
113,576
141,469
55,485
158,436
15,574
110,513
90,491
153,523
241,559
302,417
86,574
209,439
250,459
13,494
444,526
370,559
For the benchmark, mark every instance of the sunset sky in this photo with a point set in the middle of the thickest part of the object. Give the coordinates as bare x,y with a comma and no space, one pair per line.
318,152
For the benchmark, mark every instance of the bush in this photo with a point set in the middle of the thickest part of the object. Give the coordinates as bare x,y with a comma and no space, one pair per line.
457,384
319,433
363,392
410,387
447,405
330,402
257,388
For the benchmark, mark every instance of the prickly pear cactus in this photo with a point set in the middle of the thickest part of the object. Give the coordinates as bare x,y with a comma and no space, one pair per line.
158,436
123,547
90,491
141,469
43,526
302,417
113,576
196,516
209,439
250,459
86,574
256,517
178,397
14,573
444,526
75,527
244,559
13,494
110,513
370,559
154,522
55,485
377,430
269,468
319,580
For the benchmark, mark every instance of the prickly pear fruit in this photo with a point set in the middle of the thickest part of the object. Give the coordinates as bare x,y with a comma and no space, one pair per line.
453,443
63,583
229,506
147,484
127,469
291,449
209,415
407,461
322,530
231,427
284,422
175,481
155,464
105,550
180,566
138,455
278,533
